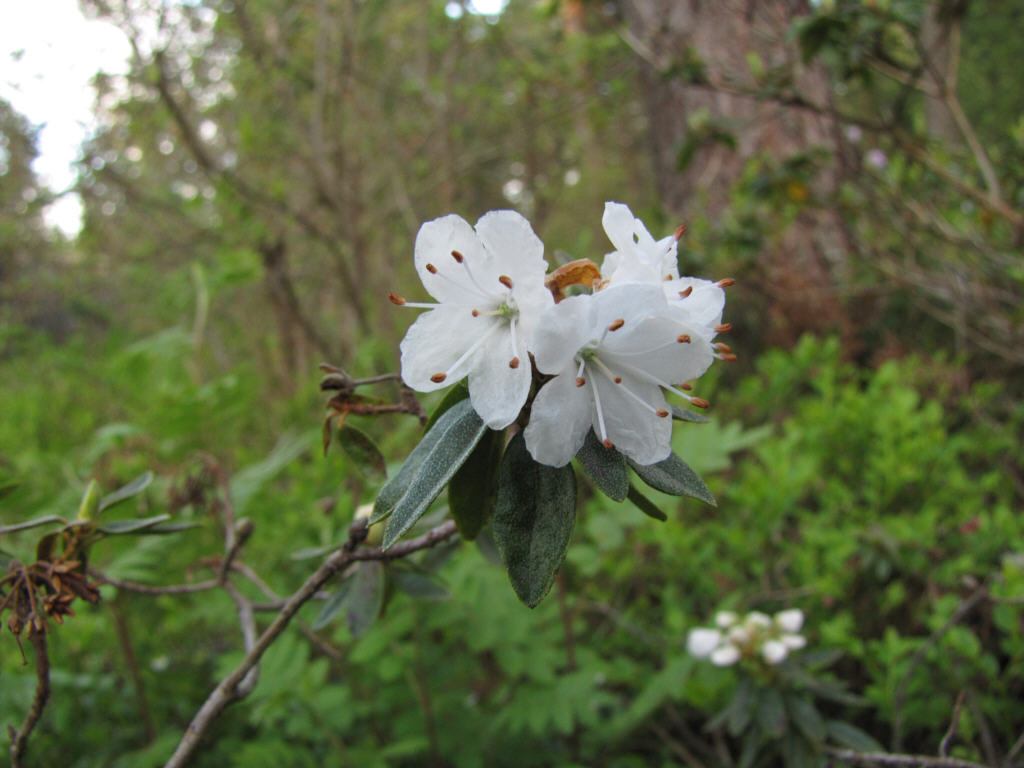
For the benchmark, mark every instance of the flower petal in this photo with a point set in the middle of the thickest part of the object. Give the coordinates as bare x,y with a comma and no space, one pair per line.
561,331
436,341
652,345
701,642
774,651
514,247
725,656
451,281
559,420
703,304
497,390
790,621
634,428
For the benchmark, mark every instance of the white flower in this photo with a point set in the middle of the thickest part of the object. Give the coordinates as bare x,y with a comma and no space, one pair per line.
702,642
639,258
793,642
725,656
790,621
758,619
774,651
612,353
490,288
726,619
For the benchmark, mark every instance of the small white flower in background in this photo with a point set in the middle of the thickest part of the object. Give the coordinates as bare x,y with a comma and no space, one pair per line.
611,353
771,638
702,642
489,284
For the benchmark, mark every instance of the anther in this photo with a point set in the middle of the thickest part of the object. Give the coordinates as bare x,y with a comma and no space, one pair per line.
618,379
680,231
431,269
395,299
662,412
608,444
723,328
506,281
721,347
725,282
684,338
437,378
580,381
700,402
513,363
616,324
457,256
686,292
686,386
476,313
729,358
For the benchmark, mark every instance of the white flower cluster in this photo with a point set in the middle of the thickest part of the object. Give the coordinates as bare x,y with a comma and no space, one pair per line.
611,354
756,634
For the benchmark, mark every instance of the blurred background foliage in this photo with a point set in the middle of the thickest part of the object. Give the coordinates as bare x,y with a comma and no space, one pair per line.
254,192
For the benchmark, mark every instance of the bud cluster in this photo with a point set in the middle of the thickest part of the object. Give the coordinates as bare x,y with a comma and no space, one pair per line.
756,635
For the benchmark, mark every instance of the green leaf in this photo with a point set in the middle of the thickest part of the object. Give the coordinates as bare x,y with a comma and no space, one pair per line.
852,737
738,711
8,486
441,452
771,713
806,717
533,520
682,414
361,449
452,397
247,482
90,504
366,597
675,477
474,487
162,528
645,505
333,605
422,586
125,492
606,467
120,527
28,524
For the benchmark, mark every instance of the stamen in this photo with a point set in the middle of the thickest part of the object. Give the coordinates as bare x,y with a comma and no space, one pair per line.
721,347
728,358
475,346
608,444
686,386
686,292
699,402
723,328
580,381
725,282
457,256
476,313
513,363
506,281
616,324
618,379
683,338
680,231
431,269
600,417
662,412
395,299
437,378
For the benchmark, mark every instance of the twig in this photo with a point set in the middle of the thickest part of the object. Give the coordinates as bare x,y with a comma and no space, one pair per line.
885,758
248,623
953,723
962,610
19,739
227,690
150,589
1014,750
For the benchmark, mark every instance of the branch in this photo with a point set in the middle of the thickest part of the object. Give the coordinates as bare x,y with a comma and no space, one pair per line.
885,758
19,739
149,589
228,689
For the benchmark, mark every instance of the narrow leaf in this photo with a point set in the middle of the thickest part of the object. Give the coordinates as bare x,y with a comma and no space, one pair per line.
474,487
366,598
31,524
682,414
333,605
119,527
421,586
90,503
807,718
645,505
458,432
453,396
361,448
533,520
852,737
606,467
125,492
675,477
771,713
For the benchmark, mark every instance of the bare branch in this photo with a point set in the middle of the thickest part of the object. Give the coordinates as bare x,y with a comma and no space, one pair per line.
149,589
19,739
228,689
885,758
